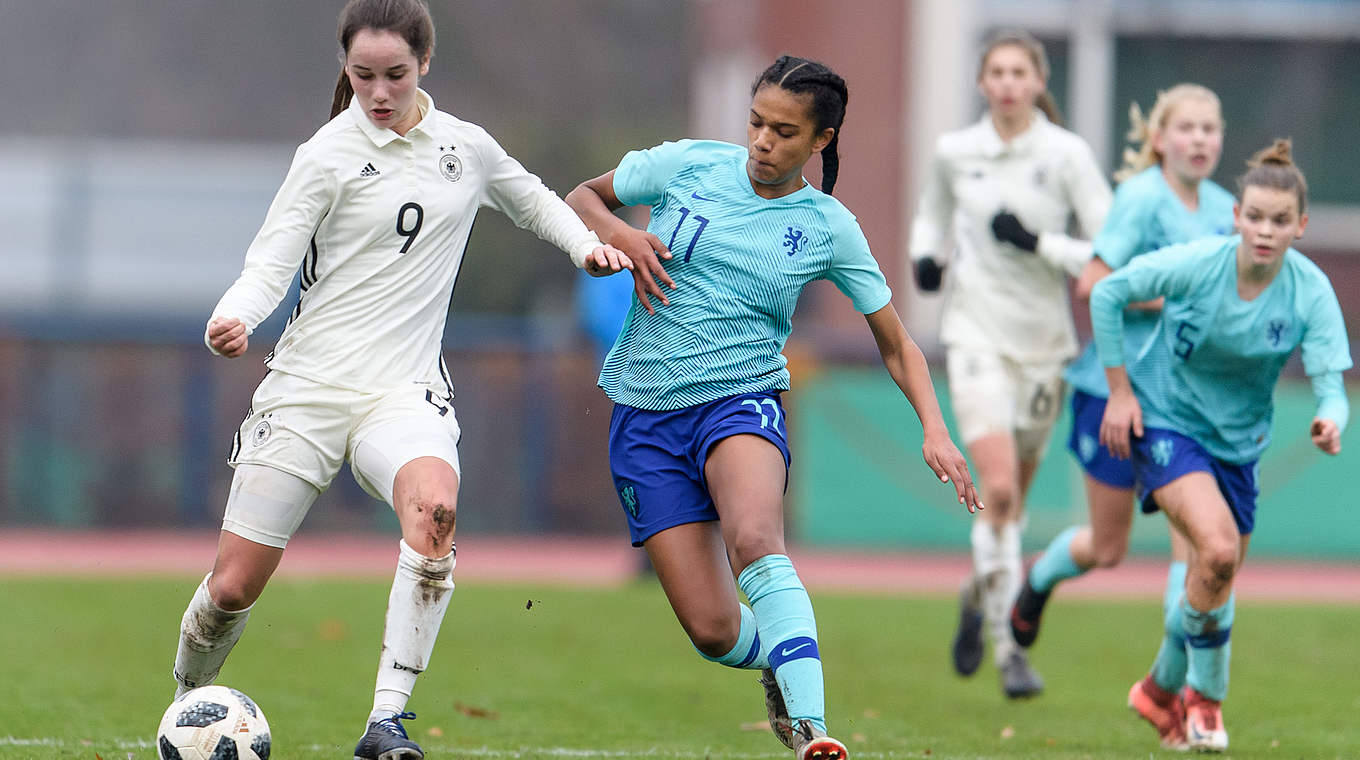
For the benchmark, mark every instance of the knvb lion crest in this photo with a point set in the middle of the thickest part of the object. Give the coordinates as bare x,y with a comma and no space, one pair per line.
795,239
628,495
1162,451
1275,332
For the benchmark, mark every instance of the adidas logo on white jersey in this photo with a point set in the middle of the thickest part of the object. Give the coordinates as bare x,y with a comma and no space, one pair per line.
369,170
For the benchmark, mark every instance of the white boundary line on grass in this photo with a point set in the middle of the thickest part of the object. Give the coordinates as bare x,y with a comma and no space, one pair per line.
522,752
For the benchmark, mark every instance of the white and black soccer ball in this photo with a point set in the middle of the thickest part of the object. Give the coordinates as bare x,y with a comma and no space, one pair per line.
213,723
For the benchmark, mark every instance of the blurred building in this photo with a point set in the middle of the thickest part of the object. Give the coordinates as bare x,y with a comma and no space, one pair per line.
143,159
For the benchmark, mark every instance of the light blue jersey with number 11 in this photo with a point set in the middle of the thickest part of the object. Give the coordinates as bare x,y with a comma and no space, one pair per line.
739,263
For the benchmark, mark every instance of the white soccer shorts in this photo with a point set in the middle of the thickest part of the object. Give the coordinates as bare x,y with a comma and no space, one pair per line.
993,394
308,429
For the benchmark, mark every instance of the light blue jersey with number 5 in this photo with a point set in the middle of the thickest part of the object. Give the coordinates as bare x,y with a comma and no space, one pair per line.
740,263
1210,368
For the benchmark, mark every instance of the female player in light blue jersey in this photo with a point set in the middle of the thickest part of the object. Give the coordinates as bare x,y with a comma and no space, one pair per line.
698,442
1164,197
1193,409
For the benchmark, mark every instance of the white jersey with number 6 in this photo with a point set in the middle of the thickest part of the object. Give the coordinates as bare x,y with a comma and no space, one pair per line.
1001,298
377,224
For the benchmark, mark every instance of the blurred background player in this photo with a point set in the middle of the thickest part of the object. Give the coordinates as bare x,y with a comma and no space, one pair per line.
375,212
1164,197
698,441
1194,411
1007,187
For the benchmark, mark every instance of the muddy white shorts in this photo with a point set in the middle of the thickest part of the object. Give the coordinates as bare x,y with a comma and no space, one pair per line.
991,393
308,429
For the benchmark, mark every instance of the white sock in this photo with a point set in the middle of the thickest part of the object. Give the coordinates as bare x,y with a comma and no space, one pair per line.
206,635
420,596
997,568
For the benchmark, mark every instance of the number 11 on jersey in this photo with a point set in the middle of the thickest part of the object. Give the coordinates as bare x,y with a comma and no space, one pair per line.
684,214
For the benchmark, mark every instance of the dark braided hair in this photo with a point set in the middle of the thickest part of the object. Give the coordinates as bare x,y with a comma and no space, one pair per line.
829,96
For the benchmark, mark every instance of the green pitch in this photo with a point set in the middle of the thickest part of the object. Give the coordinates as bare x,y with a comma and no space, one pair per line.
557,672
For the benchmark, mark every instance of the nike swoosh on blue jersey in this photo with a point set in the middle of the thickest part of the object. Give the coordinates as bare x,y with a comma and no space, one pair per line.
695,195
787,652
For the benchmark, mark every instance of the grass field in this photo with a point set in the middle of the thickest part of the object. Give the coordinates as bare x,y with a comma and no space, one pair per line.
608,673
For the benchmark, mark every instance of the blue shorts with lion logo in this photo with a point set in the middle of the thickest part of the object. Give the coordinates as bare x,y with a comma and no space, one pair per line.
657,458
1162,456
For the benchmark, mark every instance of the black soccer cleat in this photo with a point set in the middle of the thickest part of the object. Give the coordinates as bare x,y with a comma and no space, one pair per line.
1018,679
386,740
967,650
1026,612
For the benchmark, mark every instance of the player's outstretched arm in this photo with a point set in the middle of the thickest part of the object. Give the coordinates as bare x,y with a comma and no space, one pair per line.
594,201
908,369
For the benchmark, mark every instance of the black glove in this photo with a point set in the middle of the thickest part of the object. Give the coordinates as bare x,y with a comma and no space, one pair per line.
928,274
1008,229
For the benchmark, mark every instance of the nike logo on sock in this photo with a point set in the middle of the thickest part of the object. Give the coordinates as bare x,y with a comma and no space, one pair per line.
788,652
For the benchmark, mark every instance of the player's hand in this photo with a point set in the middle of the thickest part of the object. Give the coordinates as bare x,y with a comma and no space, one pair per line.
228,337
646,252
929,274
1326,435
1123,416
606,260
948,464
1007,228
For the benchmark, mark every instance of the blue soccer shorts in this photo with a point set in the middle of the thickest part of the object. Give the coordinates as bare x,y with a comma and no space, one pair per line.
1162,456
1084,443
657,458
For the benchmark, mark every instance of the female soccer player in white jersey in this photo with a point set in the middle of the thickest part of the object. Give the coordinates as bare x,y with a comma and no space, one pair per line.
1164,197
698,442
1193,408
1007,187
375,211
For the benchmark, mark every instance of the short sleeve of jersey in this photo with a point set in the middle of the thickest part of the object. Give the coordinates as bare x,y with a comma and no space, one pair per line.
1325,345
1121,238
642,175
854,270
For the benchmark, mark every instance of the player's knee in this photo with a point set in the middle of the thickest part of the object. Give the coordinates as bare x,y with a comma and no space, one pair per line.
232,592
434,525
1001,500
1220,560
749,546
714,636
1109,554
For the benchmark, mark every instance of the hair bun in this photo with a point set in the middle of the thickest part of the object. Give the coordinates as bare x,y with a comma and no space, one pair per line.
1279,153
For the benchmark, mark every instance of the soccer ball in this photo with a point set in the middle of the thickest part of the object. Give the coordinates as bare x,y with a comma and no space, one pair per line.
213,723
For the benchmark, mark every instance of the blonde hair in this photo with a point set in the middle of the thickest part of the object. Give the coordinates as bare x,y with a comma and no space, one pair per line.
1143,131
1273,167
1035,49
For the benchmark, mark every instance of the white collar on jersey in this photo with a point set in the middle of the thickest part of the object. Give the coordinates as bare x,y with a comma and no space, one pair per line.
381,135
993,145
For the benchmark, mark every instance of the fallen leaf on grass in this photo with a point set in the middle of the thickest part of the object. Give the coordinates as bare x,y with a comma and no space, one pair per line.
1008,732
476,712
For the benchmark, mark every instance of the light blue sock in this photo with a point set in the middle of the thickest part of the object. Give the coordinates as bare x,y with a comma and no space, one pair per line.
747,654
1208,634
1175,586
1168,670
1055,564
783,615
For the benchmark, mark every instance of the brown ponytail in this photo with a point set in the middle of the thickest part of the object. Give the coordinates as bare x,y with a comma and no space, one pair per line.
408,18
343,93
1035,49
1273,167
